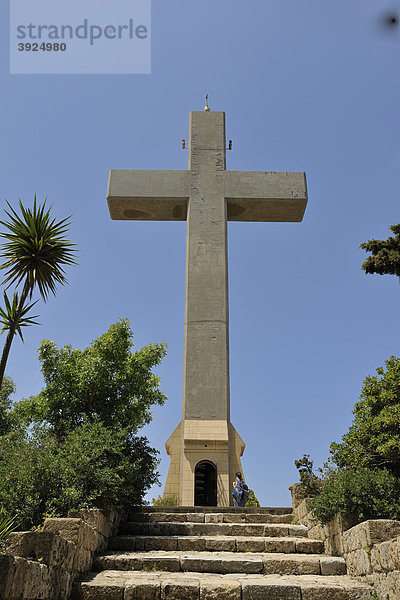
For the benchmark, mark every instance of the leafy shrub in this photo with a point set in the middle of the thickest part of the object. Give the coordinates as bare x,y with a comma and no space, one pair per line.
373,439
103,467
27,474
364,492
363,474
169,501
53,514
252,501
92,466
311,483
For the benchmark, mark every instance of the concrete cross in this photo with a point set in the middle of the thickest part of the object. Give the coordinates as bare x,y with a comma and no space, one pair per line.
206,196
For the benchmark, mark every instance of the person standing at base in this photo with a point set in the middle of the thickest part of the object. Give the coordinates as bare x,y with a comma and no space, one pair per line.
237,493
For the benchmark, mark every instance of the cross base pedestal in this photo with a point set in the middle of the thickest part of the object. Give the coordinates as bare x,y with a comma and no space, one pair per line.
194,443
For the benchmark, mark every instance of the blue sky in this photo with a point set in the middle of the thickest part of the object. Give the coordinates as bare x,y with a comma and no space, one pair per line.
306,85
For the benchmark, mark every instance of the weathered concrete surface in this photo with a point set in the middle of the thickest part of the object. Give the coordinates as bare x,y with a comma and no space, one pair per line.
159,195
265,196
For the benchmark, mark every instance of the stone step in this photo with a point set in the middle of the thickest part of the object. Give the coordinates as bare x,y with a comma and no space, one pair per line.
139,585
199,517
232,529
270,510
287,545
222,562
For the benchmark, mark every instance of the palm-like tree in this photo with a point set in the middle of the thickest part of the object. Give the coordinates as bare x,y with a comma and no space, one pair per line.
34,254
11,316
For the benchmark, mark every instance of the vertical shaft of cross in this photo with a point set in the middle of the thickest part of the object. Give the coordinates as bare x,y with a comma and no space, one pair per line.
206,352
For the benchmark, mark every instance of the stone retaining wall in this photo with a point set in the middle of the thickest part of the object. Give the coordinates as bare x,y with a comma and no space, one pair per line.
372,553
42,565
331,533
371,549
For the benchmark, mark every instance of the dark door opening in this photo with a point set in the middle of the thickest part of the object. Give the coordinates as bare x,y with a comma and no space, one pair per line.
205,484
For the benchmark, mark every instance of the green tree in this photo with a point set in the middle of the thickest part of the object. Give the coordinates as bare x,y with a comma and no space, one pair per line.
34,254
15,316
373,439
360,492
27,475
75,444
7,388
105,382
385,257
93,466
103,467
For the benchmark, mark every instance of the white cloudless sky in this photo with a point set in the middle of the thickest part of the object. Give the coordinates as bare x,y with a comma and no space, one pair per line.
307,85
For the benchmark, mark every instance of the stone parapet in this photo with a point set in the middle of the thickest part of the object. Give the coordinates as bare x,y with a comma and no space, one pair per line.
331,533
369,533
372,553
42,565
298,494
371,549
46,547
104,523
23,578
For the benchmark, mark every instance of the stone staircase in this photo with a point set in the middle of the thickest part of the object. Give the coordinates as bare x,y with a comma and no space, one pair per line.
216,554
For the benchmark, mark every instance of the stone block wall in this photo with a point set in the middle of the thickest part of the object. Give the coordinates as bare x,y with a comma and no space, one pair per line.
42,565
372,553
331,533
371,549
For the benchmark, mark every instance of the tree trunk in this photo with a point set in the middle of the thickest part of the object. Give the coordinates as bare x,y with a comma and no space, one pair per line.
11,333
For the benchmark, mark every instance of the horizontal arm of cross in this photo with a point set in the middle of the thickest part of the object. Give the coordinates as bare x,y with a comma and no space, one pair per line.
265,195
148,195
164,195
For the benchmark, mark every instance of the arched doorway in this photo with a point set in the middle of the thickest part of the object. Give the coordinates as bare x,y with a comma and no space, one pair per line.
205,484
